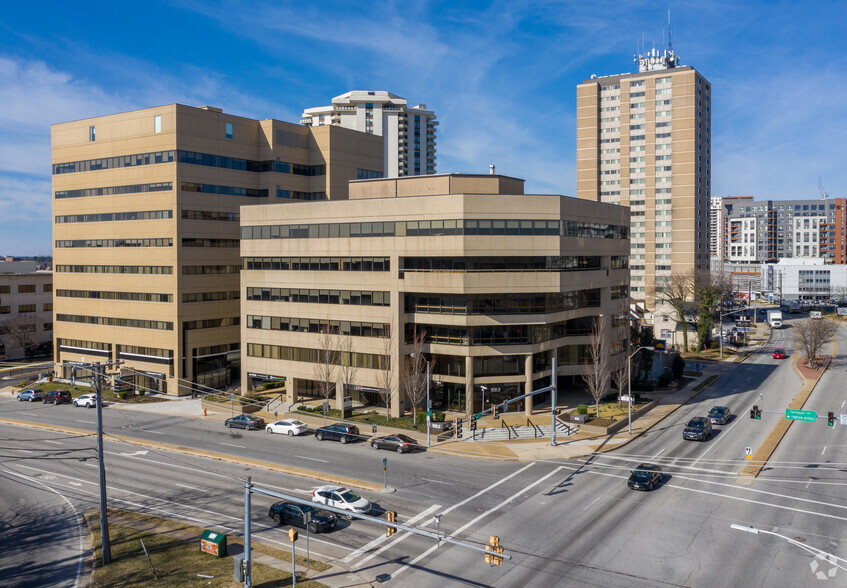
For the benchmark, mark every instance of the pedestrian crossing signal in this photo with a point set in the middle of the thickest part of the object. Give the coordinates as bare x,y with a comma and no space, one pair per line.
392,516
493,551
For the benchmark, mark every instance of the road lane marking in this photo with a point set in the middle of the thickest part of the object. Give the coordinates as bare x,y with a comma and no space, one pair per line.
33,414
842,404
437,481
475,521
444,512
657,455
383,538
24,450
171,465
232,445
184,486
170,514
76,517
311,458
86,422
724,434
809,482
53,442
824,449
154,432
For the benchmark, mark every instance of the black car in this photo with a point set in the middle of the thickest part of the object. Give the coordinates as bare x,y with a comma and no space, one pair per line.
57,397
245,421
399,443
287,513
645,477
720,415
697,429
338,432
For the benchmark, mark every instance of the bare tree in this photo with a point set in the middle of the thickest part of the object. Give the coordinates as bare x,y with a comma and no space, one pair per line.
620,377
348,370
386,370
327,366
415,374
812,335
709,292
23,330
678,292
596,374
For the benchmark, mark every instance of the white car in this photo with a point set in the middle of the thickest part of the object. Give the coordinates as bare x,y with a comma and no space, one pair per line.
86,400
341,497
290,427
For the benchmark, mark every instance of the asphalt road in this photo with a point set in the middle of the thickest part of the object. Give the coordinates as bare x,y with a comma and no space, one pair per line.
565,523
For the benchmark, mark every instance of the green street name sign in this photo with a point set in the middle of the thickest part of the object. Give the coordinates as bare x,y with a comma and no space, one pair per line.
801,415
477,416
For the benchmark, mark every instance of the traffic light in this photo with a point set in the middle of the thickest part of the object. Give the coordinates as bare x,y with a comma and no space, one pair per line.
389,531
492,550
459,428
473,424
754,411
830,419
292,534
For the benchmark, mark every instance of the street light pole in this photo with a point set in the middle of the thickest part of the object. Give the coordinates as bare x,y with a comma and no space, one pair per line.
427,404
629,385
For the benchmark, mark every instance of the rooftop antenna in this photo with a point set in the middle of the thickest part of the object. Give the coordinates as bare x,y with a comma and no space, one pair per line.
824,193
670,36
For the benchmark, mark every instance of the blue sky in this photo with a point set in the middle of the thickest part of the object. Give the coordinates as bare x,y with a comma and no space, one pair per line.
501,77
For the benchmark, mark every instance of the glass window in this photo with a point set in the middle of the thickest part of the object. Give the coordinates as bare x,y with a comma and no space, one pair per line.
91,134
229,133
157,123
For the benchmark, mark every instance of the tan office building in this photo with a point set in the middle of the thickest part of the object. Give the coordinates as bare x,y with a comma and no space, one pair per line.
500,282
644,141
146,228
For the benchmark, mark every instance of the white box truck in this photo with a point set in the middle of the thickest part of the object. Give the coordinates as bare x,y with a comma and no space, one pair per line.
775,319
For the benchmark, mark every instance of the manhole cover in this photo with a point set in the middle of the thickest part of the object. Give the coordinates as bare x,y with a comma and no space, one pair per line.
800,539
383,578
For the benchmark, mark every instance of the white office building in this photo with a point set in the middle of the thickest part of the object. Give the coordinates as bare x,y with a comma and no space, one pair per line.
804,279
409,131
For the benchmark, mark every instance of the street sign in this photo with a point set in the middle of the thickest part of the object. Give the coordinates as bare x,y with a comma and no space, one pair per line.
660,345
429,404
801,415
699,366
231,397
748,451
477,416
843,419
384,463
626,398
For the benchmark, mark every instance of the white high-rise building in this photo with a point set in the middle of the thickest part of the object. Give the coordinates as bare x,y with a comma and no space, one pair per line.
409,131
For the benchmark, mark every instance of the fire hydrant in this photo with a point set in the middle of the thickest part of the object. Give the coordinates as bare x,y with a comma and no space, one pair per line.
204,412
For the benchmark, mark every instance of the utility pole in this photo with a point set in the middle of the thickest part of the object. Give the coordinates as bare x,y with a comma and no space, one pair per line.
248,571
97,372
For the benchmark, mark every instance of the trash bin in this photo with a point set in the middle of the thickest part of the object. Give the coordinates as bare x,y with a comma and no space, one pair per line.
213,543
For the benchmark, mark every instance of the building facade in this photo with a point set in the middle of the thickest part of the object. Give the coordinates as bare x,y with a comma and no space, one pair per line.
804,279
494,281
644,141
146,227
408,131
26,309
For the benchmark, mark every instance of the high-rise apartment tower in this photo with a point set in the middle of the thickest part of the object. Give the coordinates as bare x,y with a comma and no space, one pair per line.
409,131
644,141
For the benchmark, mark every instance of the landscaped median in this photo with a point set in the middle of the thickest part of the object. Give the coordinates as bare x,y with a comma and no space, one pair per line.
173,556
764,452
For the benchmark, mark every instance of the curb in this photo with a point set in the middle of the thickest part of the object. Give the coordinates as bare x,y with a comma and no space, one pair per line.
290,470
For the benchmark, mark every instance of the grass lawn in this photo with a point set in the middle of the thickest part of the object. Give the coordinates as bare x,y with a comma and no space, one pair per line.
178,561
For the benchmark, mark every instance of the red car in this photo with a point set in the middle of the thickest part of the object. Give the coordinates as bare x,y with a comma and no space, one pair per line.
779,353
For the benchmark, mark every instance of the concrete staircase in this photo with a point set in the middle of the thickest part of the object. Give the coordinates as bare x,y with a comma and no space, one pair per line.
506,433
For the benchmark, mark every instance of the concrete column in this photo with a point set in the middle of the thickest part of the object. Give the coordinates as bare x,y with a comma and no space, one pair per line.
528,401
469,386
291,390
339,395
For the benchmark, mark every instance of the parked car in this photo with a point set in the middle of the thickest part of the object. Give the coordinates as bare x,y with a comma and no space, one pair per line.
86,400
30,395
399,443
341,497
57,397
288,513
697,429
245,421
645,476
337,432
720,415
289,427
779,353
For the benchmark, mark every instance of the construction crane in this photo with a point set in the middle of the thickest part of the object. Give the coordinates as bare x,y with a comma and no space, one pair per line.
824,193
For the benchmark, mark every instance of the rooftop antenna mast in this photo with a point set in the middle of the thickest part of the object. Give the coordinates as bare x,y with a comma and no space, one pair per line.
670,36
